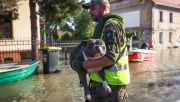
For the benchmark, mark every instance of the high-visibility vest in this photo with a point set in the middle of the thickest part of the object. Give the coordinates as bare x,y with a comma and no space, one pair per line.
118,74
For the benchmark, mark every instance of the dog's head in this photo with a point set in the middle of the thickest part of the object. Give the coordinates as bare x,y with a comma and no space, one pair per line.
94,48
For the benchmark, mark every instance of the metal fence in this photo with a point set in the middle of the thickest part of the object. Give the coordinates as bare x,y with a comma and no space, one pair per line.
19,50
67,47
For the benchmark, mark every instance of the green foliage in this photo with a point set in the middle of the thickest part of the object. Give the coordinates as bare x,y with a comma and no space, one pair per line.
10,6
129,34
67,27
66,15
135,36
83,26
66,37
56,13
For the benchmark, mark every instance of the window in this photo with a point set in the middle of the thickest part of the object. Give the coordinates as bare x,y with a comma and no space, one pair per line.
170,17
170,37
5,25
161,37
161,16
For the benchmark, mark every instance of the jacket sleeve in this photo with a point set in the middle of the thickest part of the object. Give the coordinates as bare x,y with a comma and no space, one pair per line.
114,39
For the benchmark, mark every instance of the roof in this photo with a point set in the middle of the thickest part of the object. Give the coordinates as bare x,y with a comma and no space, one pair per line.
130,3
170,3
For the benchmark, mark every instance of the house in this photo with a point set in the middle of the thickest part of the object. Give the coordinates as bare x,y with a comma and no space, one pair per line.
156,20
15,34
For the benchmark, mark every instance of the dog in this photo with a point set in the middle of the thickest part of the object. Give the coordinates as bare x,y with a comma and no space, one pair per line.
89,49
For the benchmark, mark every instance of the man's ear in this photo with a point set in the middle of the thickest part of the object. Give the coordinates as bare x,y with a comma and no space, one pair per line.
104,8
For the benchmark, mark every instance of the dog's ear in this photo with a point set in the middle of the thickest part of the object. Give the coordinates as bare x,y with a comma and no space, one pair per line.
83,43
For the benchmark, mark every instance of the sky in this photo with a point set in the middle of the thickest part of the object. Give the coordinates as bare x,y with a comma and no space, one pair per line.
87,0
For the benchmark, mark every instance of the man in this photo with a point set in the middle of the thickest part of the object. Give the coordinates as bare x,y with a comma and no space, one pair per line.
115,62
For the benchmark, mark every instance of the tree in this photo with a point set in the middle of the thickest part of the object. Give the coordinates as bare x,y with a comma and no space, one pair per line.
56,13
34,33
66,15
83,26
66,37
10,6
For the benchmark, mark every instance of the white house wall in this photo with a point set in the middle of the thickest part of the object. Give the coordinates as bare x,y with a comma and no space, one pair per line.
149,20
166,27
131,18
137,17
21,29
22,26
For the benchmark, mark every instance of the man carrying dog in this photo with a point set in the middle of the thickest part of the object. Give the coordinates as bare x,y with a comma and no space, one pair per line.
115,62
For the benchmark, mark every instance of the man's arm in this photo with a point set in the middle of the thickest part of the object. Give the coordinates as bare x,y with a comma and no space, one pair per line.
101,62
110,34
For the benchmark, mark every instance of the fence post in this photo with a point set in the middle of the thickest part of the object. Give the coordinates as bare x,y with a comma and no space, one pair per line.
65,52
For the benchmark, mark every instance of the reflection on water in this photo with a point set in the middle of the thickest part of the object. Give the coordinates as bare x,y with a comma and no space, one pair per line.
152,81
158,80
59,87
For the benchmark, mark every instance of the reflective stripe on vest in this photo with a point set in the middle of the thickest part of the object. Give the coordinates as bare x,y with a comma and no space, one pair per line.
113,78
117,74
118,68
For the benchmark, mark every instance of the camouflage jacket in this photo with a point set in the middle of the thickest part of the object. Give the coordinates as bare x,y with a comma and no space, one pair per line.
113,36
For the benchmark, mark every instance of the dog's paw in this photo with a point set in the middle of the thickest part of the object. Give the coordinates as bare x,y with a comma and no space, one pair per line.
107,87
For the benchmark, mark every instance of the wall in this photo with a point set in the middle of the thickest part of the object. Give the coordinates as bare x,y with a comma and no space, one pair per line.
149,21
22,26
166,27
137,16
21,29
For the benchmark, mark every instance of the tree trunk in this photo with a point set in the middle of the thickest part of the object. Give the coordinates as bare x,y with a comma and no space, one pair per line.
34,34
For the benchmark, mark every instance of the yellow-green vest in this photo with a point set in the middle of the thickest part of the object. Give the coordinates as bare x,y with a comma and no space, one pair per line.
118,74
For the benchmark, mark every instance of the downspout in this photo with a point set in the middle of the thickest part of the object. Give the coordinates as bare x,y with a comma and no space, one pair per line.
152,24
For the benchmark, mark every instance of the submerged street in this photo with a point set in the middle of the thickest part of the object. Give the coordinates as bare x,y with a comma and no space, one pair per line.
151,81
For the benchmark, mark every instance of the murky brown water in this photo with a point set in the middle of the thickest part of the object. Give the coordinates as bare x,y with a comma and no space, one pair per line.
152,81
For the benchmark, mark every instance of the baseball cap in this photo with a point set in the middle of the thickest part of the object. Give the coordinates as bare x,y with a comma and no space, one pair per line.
93,2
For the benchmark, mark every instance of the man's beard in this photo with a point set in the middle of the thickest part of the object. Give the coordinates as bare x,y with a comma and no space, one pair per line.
94,18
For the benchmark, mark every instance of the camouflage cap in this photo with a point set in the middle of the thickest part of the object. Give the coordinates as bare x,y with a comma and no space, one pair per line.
93,2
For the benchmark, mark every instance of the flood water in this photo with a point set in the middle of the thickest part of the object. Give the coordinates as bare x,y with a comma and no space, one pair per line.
151,81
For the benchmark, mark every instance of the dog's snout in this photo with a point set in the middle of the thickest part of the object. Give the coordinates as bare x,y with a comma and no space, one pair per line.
97,48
